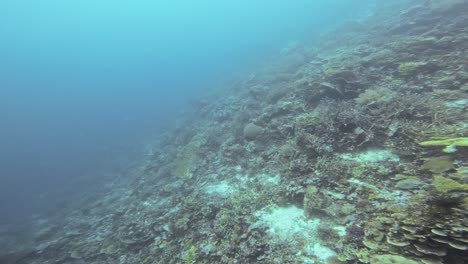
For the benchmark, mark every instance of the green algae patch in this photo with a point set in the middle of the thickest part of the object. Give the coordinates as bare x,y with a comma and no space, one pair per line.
411,68
449,143
438,164
185,164
444,185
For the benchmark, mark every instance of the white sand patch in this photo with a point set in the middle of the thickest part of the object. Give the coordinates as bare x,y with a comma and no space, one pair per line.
288,224
341,230
238,183
264,179
372,156
222,188
321,252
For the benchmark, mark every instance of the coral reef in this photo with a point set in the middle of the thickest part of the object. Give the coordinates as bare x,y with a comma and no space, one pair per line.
329,153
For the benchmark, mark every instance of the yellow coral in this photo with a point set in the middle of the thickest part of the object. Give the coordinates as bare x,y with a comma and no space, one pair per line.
460,141
190,255
449,143
443,184
185,163
410,68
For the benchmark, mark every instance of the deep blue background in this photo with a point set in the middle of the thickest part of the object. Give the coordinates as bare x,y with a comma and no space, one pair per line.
84,82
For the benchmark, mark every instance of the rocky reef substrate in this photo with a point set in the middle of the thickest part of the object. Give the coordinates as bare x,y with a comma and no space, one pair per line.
351,149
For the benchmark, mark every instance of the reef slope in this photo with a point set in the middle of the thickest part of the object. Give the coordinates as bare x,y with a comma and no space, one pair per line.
350,149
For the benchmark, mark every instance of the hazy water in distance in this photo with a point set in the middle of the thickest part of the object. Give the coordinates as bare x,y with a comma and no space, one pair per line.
83,82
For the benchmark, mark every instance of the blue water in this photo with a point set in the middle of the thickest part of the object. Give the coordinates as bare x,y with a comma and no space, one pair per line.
84,83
